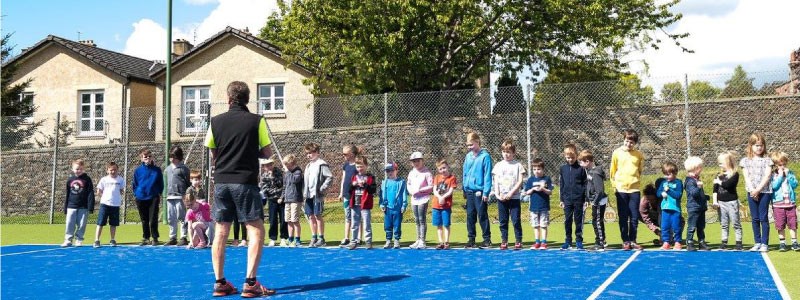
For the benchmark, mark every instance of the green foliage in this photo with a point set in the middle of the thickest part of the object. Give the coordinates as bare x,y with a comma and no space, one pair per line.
509,97
364,47
698,91
17,129
739,85
65,131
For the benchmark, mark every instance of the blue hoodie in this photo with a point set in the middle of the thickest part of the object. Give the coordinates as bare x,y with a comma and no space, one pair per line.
148,182
674,194
393,194
477,172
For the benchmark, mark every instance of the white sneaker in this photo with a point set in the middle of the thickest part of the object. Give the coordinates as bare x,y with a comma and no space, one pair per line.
78,243
271,243
66,244
764,248
283,243
414,245
421,245
243,243
756,247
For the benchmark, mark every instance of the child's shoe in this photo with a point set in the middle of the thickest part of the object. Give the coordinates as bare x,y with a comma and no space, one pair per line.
225,289
677,246
690,246
440,246
565,246
503,245
353,245
738,246
78,243
578,245
704,246
764,248
313,242
235,243
517,246
113,243
665,246
189,247
636,247
446,246
470,245
756,247
66,244
543,246
144,242
320,243
96,244
345,242
599,247
782,247
723,245
487,244
171,242
414,245
292,244
271,243
795,246
183,241
283,243
535,246
626,246
396,244
369,246
422,245
243,243
388,244
256,290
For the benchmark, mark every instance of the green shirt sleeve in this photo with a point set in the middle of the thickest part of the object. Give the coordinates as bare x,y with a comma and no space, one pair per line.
263,137
210,139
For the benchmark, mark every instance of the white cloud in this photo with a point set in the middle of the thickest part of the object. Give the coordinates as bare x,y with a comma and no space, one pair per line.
756,34
148,39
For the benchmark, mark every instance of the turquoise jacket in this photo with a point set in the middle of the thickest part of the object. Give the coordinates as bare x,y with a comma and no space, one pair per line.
674,194
477,172
777,183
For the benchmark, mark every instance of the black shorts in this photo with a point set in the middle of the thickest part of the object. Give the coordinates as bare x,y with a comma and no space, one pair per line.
108,215
237,201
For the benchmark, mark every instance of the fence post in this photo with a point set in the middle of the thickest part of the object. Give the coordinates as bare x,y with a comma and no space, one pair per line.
127,157
528,101
686,114
385,128
55,162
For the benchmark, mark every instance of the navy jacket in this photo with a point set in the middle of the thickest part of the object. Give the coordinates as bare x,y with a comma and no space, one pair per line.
148,182
572,183
696,199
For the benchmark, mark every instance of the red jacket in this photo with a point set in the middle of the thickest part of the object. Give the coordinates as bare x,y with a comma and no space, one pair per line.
369,191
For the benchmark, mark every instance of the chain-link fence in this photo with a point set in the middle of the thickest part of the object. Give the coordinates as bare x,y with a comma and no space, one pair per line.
675,117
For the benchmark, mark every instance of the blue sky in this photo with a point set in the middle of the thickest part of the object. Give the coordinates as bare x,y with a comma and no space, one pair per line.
724,33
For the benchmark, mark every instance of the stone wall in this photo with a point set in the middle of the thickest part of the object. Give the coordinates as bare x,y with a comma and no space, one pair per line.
715,127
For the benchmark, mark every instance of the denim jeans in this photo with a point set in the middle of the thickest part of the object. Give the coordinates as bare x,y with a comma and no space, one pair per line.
628,206
510,208
477,210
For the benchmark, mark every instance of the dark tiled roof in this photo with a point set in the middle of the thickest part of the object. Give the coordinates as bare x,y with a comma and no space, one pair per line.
127,66
269,47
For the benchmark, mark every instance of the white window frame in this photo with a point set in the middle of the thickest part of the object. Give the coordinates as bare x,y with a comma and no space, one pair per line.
188,119
26,119
93,118
271,98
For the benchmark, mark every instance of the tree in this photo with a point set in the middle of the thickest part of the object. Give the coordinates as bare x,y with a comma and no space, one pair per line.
739,85
363,47
769,88
17,129
672,92
509,97
699,90
65,131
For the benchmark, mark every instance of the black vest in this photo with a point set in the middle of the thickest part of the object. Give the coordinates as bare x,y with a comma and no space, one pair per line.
236,137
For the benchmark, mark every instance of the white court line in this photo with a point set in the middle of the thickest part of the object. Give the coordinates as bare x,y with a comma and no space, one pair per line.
34,251
775,277
613,276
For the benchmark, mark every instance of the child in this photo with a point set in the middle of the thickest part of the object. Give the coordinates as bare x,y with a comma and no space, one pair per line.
362,193
293,197
757,169
393,203
317,178
649,210
539,187
783,200
110,188
572,180
596,196
198,219
178,181
444,184
239,229
671,190
79,203
507,176
196,192
696,203
727,199
626,172
147,185
476,182
271,185
419,186
349,152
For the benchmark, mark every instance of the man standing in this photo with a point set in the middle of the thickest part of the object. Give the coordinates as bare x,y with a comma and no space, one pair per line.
235,140
477,182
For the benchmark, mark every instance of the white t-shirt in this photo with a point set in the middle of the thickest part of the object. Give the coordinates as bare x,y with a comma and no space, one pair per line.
418,180
506,175
111,188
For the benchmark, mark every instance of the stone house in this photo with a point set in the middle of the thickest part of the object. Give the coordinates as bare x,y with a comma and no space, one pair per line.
91,87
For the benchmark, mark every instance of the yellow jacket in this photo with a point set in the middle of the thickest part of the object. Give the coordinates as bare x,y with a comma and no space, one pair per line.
626,169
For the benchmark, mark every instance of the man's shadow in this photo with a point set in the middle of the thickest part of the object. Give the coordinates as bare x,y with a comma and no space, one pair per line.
339,283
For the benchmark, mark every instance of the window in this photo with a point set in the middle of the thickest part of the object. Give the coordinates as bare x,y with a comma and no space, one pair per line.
26,101
195,108
270,98
91,118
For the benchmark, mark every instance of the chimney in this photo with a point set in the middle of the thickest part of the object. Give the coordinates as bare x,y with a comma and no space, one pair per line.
246,30
180,47
89,43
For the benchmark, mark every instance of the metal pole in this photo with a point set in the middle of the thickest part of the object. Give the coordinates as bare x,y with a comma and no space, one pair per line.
385,128
55,162
686,114
528,100
167,107
127,158
206,159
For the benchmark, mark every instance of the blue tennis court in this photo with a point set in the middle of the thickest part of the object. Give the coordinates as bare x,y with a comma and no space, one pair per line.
129,272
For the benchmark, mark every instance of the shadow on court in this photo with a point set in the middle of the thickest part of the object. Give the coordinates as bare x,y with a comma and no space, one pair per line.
340,283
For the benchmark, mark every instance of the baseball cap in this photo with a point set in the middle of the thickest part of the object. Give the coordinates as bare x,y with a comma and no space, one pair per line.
265,161
390,167
416,155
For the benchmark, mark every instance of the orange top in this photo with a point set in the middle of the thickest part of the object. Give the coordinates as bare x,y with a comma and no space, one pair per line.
442,184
